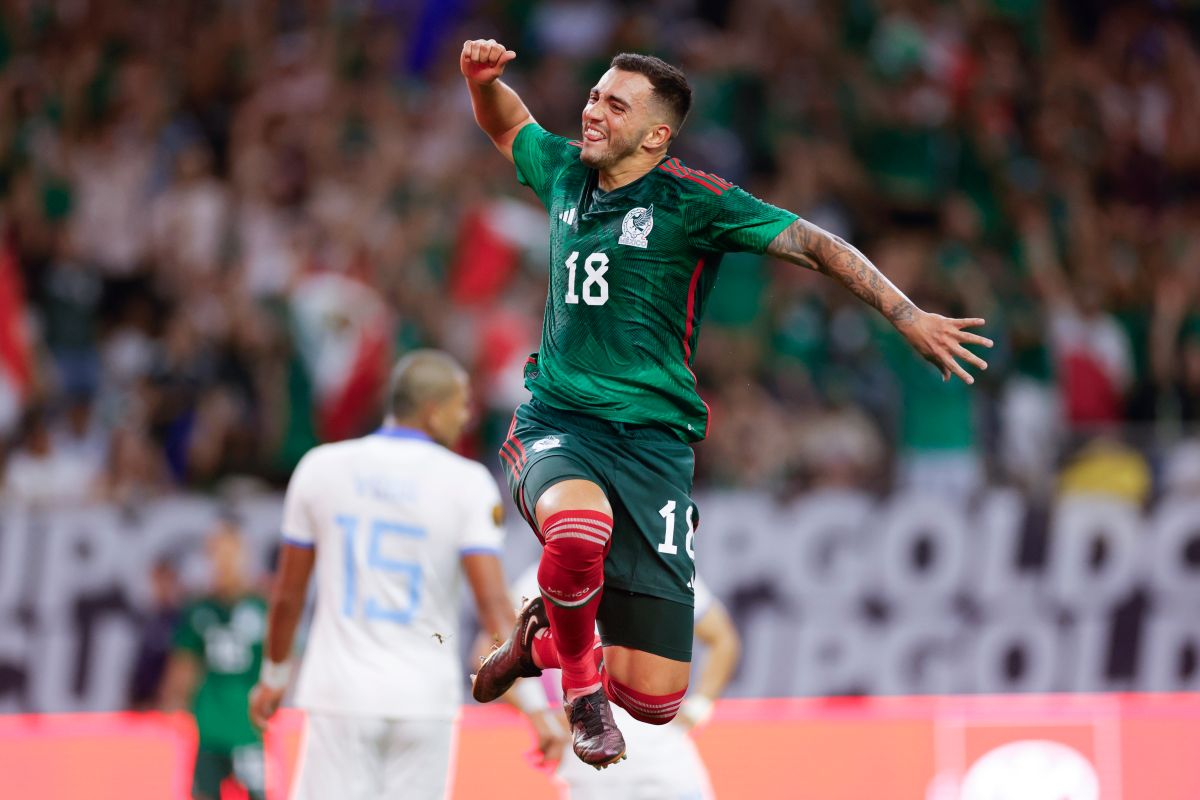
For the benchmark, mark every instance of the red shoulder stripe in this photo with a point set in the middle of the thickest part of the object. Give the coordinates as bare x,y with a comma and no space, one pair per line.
688,177
708,176
574,143
674,166
719,181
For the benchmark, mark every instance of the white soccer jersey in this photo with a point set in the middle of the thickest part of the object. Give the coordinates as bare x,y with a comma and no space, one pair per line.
391,516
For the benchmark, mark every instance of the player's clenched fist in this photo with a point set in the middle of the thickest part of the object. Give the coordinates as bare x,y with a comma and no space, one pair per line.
483,60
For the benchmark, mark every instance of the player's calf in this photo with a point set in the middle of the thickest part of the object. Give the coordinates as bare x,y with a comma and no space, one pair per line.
571,571
545,651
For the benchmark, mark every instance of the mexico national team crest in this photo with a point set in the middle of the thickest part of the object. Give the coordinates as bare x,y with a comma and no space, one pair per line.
637,226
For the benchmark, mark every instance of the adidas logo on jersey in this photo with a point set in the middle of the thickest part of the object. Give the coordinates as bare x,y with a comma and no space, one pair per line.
568,216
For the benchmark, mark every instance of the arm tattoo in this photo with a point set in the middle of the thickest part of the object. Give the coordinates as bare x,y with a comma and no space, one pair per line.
807,245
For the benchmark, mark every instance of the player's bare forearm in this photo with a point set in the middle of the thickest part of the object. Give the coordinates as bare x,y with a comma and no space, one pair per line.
496,617
493,608
499,111
938,339
809,246
282,620
715,629
287,601
718,669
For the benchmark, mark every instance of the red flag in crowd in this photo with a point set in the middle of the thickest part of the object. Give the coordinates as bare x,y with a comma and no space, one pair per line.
344,331
16,371
491,240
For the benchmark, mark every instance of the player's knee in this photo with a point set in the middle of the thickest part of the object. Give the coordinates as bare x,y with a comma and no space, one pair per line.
572,565
578,537
571,495
572,554
567,563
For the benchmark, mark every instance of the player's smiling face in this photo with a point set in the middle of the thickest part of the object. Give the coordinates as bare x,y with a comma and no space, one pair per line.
616,118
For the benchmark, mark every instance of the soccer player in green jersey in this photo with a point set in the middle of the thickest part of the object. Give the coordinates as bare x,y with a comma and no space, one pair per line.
215,660
599,461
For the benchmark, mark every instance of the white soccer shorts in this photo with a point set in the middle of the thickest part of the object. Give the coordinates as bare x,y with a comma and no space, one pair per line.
364,758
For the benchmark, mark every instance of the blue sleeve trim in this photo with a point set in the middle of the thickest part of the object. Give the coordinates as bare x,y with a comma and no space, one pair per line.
297,543
479,551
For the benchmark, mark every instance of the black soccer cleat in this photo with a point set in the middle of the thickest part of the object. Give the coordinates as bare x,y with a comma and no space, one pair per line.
513,659
596,738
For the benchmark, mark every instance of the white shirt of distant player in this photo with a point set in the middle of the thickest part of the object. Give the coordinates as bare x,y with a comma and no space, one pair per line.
391,516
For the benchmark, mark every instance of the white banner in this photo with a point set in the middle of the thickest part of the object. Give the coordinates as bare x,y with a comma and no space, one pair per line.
839,593
833,593
74,584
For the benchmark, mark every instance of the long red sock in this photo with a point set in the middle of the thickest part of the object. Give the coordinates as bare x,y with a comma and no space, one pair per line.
656,709
545,652
571,577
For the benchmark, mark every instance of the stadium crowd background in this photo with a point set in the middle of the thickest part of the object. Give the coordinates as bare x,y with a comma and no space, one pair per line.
221,220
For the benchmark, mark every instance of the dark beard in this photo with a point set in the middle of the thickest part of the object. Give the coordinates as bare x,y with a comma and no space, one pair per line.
615,152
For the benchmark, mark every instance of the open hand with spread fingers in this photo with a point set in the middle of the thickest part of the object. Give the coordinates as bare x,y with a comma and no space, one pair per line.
940,341
483,60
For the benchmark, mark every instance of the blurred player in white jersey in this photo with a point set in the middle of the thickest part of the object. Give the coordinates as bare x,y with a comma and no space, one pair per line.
390,521
663,762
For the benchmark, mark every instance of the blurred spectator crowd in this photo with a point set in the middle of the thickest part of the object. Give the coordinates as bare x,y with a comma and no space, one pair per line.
220,221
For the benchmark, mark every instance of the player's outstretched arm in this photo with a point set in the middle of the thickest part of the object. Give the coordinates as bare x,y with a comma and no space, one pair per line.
938,339
283,615
498,109
493,609
716,631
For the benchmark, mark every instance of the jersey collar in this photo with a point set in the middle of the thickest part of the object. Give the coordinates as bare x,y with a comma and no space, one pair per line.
591,192
602,194
402,432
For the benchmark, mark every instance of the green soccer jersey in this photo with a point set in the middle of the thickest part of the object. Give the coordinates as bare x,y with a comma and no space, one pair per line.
227,639
630,271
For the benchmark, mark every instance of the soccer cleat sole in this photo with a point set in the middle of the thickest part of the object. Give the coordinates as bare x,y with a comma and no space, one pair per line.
611,761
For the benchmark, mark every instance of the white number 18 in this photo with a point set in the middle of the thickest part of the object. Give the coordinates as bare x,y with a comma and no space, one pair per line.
595,288
668,545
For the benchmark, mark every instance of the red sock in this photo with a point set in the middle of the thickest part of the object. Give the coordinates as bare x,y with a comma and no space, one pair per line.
571,577
545,652
656,709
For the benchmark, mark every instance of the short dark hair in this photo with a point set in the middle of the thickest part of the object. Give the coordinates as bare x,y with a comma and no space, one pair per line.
422,377
670,85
